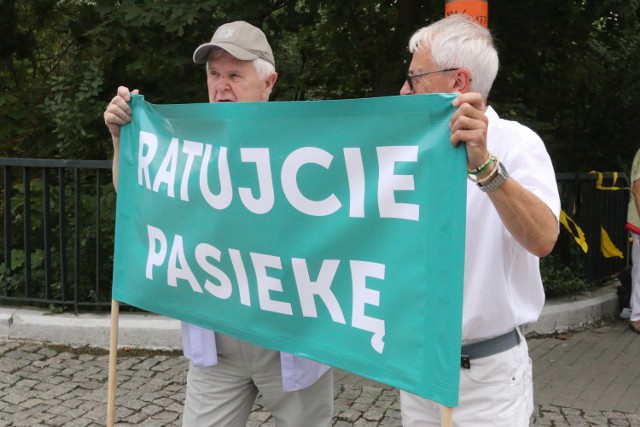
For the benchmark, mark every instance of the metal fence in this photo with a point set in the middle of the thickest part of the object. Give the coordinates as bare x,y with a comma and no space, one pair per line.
594,214
57,233
58,227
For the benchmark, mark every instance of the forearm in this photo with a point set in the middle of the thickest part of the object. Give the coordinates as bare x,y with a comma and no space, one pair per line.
116,161
117,114
527,217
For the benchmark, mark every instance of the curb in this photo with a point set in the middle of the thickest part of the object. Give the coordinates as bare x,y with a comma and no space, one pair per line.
569,314
148,331
155,332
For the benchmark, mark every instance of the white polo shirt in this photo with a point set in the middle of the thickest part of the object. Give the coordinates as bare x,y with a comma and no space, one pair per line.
502,284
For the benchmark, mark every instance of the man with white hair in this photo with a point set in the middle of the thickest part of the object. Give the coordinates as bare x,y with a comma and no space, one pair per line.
226,374
512,215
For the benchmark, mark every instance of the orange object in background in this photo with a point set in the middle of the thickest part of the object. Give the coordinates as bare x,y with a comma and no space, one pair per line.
478,9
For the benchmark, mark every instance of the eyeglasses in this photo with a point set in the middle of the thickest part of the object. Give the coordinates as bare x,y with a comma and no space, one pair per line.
412,76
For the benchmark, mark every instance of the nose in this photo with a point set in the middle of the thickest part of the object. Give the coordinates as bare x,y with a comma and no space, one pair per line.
222,86
221,90
405,89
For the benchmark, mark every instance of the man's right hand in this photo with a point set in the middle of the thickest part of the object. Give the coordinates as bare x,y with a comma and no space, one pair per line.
118,112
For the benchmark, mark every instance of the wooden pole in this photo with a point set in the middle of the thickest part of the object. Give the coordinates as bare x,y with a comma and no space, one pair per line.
446,417
113,361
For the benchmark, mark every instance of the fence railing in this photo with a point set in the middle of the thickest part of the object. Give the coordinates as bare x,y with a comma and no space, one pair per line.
57,232
58,228
595,210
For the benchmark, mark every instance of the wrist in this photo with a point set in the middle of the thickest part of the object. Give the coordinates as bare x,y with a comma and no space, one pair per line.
485,172
484,168
497,180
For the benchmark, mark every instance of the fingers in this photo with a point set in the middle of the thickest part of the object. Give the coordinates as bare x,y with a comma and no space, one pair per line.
123,92
118,112
470,112
469,124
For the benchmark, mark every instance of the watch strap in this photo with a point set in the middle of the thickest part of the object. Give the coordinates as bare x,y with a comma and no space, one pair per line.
497,181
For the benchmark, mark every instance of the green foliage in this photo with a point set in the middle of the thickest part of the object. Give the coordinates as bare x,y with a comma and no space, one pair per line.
12,281
43,267
560,279
570,70
72,108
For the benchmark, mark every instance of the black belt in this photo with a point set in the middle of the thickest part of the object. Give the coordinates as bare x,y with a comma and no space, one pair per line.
488,347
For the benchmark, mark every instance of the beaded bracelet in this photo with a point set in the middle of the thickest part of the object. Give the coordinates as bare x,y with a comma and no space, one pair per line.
482,181
482,167
487,179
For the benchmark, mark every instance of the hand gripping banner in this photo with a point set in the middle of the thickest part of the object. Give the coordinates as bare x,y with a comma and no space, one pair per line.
333,230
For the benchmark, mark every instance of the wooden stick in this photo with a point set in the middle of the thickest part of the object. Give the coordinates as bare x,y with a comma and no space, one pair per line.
113,361
447,416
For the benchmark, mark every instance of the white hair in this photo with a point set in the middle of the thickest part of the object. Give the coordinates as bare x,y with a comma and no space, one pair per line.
457,41
263,68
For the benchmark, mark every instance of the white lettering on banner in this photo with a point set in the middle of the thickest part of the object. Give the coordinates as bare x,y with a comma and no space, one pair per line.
241,276
292,164
356,177
167,173
150,142
362,296
266,284
191,149
223,199
389,182
259,156
321,287
261,200
224,288
177,267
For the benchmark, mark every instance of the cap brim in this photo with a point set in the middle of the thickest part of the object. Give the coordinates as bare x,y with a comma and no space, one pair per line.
201,54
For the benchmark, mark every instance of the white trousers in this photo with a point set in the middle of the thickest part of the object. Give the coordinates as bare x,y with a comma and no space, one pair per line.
496,392
223,395
635,279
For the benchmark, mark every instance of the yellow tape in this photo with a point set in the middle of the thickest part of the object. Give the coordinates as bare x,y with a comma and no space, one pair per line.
577,234
608,248
600,186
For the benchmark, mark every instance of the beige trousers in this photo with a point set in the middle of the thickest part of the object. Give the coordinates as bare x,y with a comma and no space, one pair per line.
223,395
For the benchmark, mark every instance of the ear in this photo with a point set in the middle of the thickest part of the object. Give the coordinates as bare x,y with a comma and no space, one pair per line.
268,85
462,83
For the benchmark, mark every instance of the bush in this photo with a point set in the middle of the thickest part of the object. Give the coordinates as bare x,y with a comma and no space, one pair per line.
561,280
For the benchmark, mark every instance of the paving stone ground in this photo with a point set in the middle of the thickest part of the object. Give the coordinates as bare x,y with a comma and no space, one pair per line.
589,378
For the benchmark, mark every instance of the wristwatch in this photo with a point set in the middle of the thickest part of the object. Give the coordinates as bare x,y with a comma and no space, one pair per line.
496,182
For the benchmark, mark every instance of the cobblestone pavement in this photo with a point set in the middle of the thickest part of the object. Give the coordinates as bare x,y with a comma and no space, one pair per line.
590,378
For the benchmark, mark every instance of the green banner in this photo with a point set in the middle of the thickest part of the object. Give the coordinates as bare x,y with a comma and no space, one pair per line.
333,230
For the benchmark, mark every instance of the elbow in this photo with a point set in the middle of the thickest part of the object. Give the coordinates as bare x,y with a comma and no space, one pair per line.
543,250
545,244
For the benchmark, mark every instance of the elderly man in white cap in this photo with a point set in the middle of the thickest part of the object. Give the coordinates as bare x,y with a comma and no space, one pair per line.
226,374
